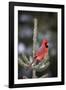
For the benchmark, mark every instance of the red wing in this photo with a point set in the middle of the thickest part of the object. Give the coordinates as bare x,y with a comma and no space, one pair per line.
40,51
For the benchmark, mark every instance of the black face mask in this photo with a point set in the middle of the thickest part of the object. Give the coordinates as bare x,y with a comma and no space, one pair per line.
46,45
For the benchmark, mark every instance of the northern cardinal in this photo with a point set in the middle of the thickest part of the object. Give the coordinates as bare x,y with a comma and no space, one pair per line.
42,52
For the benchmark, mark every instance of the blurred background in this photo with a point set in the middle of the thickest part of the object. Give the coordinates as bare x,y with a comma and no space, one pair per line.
47,28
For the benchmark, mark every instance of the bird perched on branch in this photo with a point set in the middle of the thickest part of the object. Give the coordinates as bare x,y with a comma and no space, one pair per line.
42,52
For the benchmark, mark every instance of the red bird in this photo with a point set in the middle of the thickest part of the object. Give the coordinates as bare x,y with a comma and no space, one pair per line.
42,52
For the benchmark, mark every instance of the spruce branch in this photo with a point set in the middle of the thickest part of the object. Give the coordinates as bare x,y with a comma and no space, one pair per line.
44,76
42,67
25,77
20,62
25,59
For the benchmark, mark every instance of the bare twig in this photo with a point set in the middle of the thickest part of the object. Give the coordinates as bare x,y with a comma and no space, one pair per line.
34,43
34,74
34,36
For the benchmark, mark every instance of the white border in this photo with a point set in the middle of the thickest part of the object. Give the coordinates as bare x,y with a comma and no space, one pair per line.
23,81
